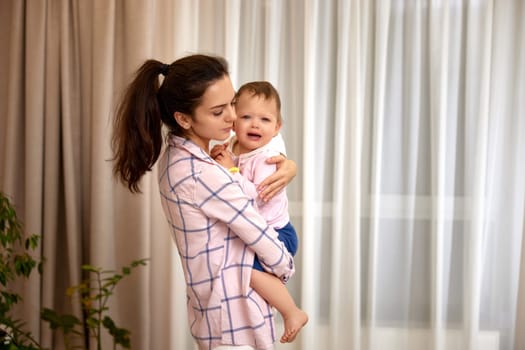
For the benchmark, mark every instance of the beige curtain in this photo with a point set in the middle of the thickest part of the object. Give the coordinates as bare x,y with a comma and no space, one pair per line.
63,65
405,118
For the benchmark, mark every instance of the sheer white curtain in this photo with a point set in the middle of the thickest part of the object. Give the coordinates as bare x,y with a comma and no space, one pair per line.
413,174
406,119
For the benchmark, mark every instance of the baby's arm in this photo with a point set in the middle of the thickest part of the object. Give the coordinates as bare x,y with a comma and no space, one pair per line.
286,171
254,174
230,205
276,182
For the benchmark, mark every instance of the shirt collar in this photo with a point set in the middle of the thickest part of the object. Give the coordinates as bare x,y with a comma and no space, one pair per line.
189,146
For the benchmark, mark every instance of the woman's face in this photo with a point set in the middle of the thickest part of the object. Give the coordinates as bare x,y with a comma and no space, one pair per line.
213,118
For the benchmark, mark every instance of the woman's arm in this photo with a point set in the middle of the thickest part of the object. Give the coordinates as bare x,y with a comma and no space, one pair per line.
273,184
222,199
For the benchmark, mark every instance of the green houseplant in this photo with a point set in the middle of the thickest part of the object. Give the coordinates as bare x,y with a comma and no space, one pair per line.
15,262
93,294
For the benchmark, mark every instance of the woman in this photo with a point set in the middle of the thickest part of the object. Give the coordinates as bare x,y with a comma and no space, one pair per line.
215,228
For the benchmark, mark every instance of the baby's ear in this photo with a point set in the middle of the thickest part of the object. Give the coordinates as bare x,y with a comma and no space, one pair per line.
277,128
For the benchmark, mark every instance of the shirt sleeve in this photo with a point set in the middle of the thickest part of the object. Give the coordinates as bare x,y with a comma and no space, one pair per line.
221,198
277,143
248,187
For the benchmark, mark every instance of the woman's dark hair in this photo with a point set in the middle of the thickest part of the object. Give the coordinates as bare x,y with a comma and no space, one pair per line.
147,105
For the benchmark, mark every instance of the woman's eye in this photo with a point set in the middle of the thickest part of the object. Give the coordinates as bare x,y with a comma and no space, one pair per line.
217,113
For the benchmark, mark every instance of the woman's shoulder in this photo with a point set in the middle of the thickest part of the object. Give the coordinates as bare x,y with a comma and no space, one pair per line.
193,178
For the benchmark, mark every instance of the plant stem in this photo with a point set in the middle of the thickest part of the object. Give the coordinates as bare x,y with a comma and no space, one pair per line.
100,306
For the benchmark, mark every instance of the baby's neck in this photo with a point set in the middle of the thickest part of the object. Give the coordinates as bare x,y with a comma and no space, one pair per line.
238,149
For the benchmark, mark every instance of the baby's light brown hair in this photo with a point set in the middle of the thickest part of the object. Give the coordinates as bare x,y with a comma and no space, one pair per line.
262,89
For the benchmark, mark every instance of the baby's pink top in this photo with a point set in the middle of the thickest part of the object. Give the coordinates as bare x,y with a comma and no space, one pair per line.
254,170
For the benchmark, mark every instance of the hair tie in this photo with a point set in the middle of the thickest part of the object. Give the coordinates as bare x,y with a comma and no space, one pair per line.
164,69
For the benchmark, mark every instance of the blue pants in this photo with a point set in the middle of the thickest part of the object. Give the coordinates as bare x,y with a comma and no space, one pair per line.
288,236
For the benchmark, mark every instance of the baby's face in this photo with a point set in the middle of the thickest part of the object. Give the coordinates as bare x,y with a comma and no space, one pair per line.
257,121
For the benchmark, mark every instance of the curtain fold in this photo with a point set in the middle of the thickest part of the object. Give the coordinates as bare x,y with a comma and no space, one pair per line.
311,232
406,120
439,57
345,296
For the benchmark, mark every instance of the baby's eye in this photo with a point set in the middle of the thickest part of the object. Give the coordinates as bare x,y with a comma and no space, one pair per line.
266,119
245,117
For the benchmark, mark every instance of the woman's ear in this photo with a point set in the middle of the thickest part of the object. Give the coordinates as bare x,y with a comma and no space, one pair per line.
183,120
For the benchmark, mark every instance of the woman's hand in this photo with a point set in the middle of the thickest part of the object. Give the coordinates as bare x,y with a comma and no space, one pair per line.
273,184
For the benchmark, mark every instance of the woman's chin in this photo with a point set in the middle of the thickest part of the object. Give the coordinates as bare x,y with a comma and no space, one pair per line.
225,137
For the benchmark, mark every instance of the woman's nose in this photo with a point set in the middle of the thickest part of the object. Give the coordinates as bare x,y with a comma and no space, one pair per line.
230,114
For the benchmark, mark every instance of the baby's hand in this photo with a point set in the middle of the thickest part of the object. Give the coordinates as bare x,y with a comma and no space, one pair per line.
217,149
225,159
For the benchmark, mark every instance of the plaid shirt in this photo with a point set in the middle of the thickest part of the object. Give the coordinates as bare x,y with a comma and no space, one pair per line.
217,231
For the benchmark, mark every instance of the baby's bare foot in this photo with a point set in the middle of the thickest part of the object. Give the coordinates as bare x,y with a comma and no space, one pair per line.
293,324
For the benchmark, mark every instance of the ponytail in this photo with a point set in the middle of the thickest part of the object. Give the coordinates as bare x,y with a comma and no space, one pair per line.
137,127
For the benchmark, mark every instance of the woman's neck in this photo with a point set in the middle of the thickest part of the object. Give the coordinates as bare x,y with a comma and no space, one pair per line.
202,143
